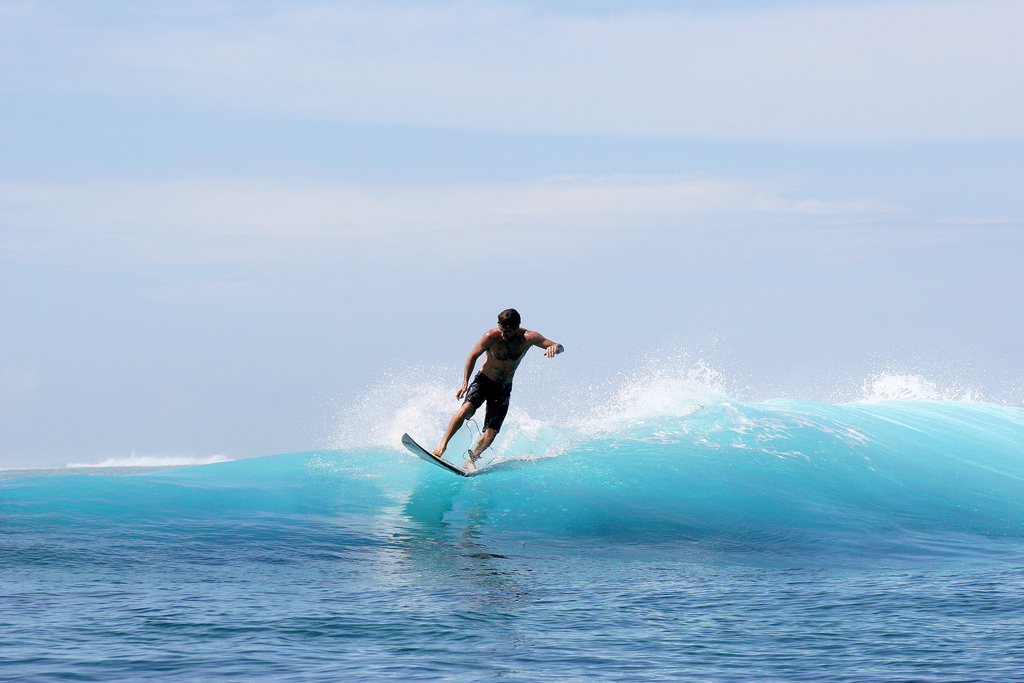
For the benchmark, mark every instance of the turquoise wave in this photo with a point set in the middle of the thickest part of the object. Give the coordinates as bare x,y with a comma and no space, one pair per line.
729,472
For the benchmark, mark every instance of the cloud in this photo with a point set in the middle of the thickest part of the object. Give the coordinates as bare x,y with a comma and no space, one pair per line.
261,220
290,225
832,72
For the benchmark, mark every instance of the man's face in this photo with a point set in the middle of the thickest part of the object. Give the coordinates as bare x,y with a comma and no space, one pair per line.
507,332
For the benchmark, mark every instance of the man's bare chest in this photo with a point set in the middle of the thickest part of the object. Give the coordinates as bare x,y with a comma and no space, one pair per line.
508,351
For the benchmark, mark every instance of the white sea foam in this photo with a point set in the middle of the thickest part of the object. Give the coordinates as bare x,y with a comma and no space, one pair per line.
664,390
153,461
423,407
894,386
671,389
419,402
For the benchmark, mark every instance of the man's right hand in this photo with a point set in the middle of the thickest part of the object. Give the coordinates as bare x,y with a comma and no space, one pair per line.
462,391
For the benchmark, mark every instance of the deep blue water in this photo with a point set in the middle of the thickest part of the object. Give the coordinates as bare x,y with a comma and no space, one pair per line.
784,540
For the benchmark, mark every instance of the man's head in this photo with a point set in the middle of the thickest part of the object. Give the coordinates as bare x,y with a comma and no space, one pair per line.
508,320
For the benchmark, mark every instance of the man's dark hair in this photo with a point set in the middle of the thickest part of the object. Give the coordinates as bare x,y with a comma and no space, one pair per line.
509,318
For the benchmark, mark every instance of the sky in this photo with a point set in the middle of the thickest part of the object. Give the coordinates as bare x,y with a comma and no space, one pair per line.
222,223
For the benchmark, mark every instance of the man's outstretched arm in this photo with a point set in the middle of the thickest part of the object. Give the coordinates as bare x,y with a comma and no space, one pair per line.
551,349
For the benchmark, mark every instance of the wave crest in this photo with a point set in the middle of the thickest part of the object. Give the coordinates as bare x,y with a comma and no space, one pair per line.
894,386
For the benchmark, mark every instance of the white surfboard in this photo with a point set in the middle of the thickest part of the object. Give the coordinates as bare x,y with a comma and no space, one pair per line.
423,453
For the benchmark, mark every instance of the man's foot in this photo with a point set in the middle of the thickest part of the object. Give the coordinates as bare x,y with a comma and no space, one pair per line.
470,465
437,452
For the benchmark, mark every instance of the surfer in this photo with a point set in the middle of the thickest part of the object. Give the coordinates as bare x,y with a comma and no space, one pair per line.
505,346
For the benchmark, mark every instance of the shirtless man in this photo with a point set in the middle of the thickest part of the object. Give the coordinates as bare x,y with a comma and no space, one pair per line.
505,346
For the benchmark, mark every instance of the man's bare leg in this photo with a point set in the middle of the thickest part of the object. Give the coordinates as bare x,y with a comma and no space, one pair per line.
486,438
458,419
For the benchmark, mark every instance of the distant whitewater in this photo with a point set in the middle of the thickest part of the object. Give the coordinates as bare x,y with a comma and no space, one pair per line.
669,532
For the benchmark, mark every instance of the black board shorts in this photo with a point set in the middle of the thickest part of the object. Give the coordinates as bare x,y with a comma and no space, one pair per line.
497,396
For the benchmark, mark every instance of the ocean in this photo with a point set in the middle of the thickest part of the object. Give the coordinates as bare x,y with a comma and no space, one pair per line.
698,539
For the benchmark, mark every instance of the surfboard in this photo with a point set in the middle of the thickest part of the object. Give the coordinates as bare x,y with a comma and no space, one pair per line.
423,453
